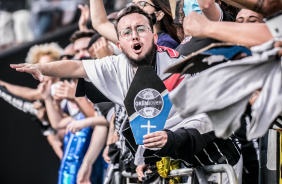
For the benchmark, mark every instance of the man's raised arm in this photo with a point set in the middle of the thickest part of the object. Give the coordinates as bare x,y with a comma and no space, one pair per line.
264,7
210,9
246,34
100,22
62,69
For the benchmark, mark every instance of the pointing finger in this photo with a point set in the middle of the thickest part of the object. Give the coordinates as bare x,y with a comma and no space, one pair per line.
18,65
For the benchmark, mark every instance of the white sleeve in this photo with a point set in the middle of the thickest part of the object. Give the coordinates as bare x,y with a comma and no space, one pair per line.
111,76
110,114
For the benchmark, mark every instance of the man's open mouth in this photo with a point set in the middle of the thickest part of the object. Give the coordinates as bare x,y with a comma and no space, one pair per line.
137,48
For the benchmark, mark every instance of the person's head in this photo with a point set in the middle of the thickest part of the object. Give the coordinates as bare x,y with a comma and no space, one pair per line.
161,10
249,16
44,53
135,35
80,40
231,10
52,50
68,52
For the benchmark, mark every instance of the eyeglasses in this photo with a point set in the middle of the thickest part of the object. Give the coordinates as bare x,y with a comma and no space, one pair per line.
67,56
141,31
142,4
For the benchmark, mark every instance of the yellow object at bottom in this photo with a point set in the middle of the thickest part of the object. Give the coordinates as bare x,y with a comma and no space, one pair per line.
165,165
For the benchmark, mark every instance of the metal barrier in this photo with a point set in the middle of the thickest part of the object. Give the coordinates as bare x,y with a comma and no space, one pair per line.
220,168
128,176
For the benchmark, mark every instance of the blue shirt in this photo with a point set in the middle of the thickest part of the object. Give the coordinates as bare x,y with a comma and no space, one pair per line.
164,39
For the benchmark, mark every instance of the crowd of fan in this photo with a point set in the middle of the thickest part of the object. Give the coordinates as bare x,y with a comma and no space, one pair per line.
27,20
84,117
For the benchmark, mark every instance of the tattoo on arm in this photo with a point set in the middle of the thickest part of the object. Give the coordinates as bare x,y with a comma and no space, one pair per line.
258,6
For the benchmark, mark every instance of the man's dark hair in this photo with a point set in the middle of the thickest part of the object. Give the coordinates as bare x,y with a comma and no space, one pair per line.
81,34
129,10
231,10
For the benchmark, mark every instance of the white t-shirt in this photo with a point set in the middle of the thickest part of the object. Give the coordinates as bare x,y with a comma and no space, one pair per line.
112,75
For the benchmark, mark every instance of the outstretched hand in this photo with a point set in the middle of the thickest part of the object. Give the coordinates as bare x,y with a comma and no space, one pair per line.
29,68
85,14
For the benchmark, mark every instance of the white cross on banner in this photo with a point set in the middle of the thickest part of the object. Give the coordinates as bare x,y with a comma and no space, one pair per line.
148,126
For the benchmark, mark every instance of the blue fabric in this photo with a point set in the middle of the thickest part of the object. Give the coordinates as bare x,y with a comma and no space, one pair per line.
191,5
165,39
228,52
157,122
75,147
97,174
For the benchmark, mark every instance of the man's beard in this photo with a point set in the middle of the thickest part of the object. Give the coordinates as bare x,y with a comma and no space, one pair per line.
146,60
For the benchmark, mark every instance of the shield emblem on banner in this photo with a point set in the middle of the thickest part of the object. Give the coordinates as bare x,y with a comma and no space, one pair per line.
147,103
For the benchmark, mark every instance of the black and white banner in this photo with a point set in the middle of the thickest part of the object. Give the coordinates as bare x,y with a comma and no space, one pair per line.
18,102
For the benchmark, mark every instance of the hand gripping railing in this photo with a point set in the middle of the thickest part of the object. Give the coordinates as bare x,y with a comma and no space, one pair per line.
220,168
